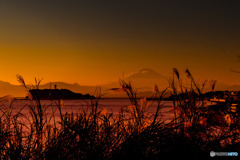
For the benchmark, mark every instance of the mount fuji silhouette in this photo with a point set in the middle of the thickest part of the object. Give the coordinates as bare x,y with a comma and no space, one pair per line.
145,73
143,80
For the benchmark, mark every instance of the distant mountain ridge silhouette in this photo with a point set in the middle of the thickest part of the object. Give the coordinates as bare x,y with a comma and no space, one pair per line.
143,80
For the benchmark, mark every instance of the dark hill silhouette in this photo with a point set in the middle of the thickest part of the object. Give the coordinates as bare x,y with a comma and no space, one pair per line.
73,87
47,94
19,91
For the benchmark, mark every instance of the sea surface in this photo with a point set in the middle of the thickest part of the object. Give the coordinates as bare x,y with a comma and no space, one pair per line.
22,109
108,106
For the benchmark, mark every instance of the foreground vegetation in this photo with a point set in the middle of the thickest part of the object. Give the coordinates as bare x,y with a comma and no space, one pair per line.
194,130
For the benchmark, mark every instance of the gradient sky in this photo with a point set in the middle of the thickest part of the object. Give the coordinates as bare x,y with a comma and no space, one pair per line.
93,42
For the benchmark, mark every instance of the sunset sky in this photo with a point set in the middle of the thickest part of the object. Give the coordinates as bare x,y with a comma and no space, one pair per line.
94,42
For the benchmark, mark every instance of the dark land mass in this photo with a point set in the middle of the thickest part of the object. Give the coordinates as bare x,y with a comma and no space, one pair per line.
208,95
51,94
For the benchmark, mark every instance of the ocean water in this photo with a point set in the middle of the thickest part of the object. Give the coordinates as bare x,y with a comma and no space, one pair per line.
75,106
